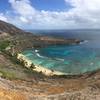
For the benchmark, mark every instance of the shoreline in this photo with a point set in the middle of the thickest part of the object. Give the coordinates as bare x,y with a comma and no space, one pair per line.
28,63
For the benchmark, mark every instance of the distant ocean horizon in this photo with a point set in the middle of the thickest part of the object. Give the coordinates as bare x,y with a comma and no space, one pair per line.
70,59
67,33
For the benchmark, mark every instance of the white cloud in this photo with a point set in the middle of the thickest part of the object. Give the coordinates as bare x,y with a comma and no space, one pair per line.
87,11
24,20
83,14
3,17
22,7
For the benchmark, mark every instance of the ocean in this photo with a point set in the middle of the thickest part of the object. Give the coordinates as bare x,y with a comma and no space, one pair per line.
69,59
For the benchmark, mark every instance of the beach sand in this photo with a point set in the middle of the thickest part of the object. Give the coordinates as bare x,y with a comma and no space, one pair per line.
38,68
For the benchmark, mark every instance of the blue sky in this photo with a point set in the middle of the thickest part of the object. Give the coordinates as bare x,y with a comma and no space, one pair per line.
4,5
51,14
51,5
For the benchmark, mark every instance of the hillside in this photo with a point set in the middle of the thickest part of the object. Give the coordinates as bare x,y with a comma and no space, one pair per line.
22,40
10,29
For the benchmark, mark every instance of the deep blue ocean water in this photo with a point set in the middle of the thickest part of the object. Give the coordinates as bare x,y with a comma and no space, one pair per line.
70,59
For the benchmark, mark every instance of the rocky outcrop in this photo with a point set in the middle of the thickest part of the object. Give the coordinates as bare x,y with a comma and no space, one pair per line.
56,41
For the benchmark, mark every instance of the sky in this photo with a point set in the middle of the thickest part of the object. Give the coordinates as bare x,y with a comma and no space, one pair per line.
51,14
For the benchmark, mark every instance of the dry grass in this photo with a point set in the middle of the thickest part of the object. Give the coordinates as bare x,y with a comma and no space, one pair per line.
11,95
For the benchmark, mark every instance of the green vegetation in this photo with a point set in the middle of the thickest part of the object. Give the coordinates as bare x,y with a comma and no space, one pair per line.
4,45
8,75
17,70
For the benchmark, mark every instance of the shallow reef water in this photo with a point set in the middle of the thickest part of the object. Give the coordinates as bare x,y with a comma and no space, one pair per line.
73,59
70,59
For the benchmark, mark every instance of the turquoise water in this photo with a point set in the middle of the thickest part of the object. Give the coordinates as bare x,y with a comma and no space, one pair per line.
70,59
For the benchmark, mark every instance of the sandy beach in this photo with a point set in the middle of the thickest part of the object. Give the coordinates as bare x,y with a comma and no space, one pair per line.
38,68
